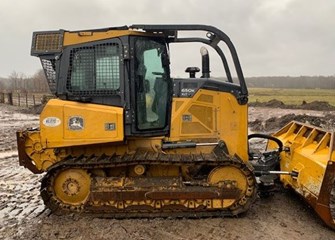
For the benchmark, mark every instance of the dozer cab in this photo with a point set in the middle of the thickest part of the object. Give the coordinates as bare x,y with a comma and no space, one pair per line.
124,139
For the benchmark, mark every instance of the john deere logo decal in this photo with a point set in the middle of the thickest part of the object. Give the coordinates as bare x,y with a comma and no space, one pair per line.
76,123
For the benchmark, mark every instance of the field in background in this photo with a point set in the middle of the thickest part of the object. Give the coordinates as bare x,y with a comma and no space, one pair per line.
292,96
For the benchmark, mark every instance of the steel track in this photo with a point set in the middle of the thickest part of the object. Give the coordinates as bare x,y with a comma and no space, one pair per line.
215,159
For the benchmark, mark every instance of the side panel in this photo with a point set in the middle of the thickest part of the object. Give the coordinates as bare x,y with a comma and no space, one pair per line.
66,123
210,116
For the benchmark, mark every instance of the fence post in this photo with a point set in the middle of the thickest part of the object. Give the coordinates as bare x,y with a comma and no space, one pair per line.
19,99
2,97
10,98
34,99
26,99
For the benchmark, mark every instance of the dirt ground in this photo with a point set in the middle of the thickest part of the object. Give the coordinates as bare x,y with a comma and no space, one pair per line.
23,216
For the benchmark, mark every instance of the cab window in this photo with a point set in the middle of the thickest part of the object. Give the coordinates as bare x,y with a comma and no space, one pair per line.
152,84
94,68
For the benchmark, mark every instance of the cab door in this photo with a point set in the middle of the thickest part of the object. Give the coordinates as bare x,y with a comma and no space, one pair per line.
152,88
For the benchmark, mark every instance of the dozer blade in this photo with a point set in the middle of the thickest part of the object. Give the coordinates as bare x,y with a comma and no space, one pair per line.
310,153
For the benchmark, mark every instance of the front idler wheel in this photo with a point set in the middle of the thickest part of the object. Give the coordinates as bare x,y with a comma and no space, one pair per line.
72,187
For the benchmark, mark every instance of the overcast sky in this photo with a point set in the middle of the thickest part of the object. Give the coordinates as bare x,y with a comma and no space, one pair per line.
272,37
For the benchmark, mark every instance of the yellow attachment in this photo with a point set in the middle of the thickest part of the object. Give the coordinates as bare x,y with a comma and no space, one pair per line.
309,152
72,186
43,158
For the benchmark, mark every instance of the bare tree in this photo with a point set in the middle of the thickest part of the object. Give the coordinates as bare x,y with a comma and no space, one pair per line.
40,82
17,81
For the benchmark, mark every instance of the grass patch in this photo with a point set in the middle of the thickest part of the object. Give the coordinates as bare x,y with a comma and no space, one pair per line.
292,96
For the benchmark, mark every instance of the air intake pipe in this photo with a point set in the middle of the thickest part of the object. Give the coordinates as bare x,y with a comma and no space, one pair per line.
205,62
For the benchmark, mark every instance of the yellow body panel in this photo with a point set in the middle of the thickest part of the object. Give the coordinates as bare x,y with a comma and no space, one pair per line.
67,123
210,116
71,38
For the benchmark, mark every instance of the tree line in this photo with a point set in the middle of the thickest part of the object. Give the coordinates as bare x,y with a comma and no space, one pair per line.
18,82
308,82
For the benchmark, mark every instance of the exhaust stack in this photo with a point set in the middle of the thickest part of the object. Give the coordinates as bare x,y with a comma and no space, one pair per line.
205,62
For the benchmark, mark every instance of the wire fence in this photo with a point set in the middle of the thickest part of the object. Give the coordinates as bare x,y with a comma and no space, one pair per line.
23,99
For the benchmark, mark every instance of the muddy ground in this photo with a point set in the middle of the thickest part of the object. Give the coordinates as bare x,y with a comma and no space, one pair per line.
23,216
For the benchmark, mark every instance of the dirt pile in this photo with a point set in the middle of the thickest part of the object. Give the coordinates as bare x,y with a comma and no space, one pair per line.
274,103
275,123
315,105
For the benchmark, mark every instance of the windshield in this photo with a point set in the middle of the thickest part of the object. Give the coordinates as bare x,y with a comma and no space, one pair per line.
152,83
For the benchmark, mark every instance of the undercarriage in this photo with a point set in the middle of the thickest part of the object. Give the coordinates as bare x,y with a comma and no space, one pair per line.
151,184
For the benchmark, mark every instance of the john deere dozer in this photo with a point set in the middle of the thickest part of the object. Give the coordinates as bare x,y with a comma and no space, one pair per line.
124,139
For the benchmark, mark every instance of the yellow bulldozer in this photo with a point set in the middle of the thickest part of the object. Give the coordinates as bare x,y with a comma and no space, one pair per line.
123,139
